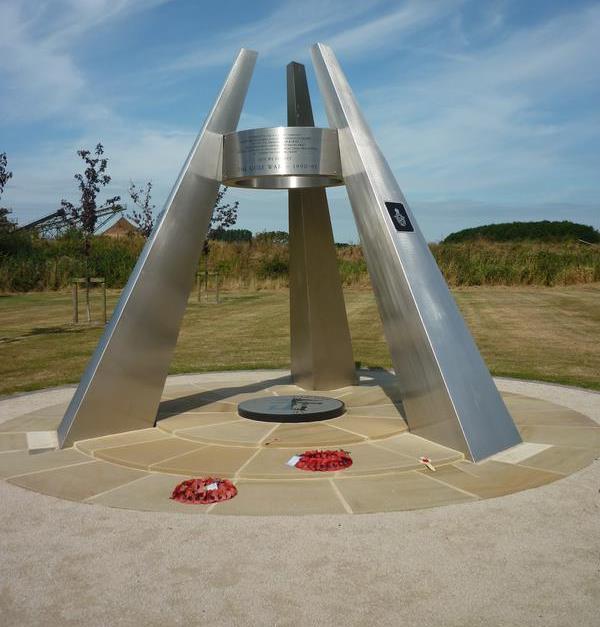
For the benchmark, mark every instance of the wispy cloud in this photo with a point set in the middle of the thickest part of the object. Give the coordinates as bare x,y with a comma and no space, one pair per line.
38,55
484,124
388,30
285,32
483,114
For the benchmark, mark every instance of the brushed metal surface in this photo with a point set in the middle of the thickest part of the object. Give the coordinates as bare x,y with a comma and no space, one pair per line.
282,158
321,348
122,384
448,394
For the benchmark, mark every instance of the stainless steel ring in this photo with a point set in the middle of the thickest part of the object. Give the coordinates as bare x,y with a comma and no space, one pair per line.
283,157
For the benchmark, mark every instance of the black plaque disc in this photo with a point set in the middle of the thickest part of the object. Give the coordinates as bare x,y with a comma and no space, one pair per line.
298,408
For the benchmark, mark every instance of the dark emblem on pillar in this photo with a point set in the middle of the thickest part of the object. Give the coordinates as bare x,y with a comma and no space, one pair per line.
399,216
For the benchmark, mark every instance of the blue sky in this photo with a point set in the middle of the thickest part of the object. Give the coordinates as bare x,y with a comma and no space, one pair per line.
486,111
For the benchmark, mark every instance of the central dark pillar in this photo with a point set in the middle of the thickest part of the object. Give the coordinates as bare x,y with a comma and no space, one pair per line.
321,349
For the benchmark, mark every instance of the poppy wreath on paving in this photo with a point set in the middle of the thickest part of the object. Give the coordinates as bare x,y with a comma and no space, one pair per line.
204,491
322,461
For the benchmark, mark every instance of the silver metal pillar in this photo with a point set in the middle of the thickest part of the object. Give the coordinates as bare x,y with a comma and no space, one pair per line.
321,349
448,394
122,384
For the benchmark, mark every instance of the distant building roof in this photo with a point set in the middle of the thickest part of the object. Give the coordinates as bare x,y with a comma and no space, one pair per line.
121,228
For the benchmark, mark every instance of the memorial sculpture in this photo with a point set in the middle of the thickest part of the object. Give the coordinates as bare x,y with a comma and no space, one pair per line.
447,392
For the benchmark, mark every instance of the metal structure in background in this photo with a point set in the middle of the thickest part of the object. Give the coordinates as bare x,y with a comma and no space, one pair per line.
321,349
448,394
121,387
58,223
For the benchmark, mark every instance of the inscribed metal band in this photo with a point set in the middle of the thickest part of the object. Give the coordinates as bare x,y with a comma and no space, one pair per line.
283,157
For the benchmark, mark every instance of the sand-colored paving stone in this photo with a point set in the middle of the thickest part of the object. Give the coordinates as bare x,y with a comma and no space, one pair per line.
79,482
199,433
172,408
13,441
533,411
150,493
241,433
369,458
198,403
173,392
415,447
376,411
271,463
120,439
368,396
292,498
310,434
584,437
145,454
395,492
209,460
190,420
23,462
562,459
489,479
372,427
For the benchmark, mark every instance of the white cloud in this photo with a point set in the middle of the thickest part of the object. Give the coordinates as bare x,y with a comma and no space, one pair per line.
386,31
485,129
492,124
38,51
284,33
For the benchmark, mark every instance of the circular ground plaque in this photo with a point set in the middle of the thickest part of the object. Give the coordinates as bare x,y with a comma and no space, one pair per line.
284,157
291,408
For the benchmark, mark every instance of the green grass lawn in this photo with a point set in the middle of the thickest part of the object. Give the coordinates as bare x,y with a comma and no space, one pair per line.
550,334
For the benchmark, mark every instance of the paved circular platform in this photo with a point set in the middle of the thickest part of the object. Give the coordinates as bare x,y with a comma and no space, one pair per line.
199,433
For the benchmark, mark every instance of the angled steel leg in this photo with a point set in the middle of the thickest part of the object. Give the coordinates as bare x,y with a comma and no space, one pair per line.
121,387
321,349
448,393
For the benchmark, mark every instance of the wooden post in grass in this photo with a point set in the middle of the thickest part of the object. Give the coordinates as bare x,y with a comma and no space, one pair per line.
75,299
101,281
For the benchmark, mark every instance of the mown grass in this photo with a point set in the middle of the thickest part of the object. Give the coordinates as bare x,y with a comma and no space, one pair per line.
549,334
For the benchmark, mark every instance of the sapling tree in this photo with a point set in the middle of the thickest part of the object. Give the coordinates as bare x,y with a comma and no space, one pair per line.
6,224
224,215
84,215
144,218
5,173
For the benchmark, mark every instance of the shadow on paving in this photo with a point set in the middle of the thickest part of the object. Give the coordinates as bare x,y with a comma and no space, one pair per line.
379,377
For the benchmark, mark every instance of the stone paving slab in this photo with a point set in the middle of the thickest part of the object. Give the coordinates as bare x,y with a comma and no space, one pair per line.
562,459
24,462
78,482
120,439
205,437
149,493
223,461
191,420
491,479
584,437
396,492
282,498
146,454
238,433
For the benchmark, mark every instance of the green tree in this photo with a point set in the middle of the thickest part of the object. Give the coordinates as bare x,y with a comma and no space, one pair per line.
84,215
144,218
224,215
6,224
